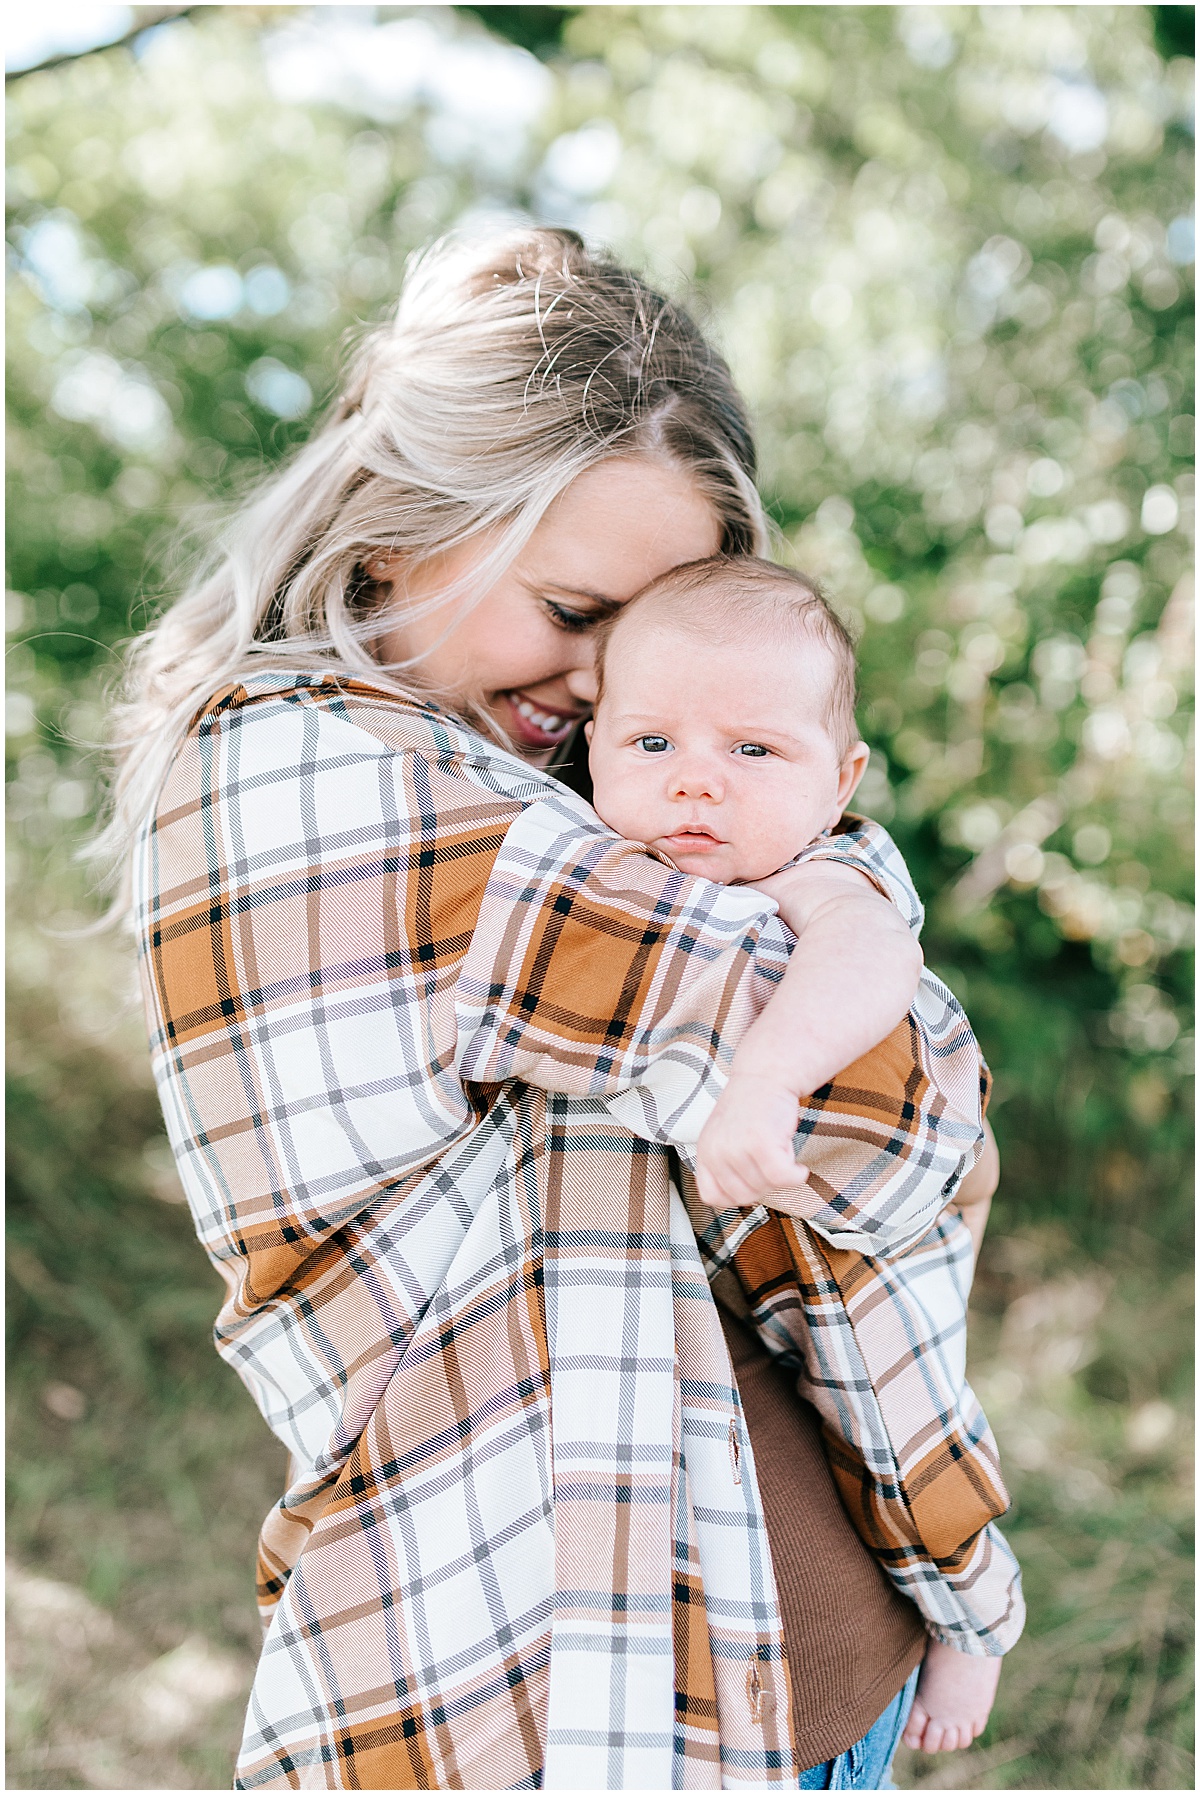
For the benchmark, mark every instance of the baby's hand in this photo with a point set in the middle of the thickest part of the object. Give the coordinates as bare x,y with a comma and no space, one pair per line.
954,1698
745,1151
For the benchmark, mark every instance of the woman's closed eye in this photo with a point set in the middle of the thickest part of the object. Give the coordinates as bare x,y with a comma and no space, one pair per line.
574,622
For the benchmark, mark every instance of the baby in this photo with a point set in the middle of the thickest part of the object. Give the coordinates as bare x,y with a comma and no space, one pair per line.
724,738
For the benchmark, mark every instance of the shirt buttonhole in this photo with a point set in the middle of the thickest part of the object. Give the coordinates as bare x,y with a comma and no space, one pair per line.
754,1692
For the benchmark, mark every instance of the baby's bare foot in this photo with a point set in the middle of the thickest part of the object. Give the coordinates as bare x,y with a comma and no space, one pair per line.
953,1700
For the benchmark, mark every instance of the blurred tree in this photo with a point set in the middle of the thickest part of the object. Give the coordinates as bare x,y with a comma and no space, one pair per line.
108,35
948,252
536,28
1175,30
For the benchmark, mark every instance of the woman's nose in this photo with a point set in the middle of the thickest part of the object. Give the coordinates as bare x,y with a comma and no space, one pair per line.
581,682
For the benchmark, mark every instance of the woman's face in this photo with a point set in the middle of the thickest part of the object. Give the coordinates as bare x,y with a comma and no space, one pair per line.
524,652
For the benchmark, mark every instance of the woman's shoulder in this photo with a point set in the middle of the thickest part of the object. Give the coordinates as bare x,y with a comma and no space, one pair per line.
861,842
296,776
286,731
275,705
277,700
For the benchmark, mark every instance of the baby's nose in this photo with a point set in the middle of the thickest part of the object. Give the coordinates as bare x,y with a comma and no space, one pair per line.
694,777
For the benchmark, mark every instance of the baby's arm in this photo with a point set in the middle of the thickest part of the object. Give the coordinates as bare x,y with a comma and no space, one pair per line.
852,977
954,1697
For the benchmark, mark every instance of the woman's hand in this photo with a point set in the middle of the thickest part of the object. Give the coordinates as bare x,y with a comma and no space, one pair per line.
953,1700
745,1155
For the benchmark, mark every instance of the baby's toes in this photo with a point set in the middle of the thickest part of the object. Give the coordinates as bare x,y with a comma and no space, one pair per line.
914,1728
935,1732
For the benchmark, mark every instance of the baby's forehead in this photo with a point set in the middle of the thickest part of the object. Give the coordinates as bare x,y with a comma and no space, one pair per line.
793,666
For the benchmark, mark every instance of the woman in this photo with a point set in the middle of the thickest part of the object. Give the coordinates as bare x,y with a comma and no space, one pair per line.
428,1042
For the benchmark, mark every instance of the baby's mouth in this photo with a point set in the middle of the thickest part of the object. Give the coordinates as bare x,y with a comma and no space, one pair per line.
534,726
690,841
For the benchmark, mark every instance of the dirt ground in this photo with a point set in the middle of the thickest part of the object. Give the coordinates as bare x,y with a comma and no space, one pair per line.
90,1708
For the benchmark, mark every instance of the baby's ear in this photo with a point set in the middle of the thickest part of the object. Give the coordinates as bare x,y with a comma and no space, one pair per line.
588,728
850,776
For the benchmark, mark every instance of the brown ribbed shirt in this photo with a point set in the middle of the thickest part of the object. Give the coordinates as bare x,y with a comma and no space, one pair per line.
852,1639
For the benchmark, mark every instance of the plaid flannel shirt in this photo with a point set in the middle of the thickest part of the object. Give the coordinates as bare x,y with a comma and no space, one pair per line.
430,1044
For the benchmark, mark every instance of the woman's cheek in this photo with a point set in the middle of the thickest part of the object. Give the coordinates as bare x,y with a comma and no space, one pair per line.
513,647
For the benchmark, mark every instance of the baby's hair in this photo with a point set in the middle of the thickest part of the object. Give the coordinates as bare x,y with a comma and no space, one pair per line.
726,598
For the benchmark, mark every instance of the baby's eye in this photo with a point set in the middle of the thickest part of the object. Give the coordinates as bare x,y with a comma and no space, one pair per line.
754,750
653,744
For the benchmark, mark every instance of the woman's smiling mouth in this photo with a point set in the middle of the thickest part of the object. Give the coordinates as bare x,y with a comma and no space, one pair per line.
534,726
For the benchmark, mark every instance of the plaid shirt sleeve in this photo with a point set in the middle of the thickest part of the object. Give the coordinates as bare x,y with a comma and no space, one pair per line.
879,1349
867,1294
867,848
597,971
866,1297
880,1196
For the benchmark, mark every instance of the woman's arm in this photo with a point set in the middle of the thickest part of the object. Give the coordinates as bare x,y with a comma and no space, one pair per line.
395,917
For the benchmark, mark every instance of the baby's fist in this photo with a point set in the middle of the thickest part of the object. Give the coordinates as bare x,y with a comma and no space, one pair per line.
745,1154
953,1700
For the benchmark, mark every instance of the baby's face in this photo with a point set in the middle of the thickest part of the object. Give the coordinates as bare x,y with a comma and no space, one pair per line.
718,756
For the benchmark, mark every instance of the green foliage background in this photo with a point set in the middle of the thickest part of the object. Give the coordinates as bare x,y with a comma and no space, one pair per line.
948,253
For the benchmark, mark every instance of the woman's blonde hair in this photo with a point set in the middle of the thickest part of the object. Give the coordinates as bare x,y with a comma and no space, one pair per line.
512,365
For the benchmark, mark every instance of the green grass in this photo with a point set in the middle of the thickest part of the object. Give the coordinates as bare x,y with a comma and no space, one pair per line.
1083,1369
147,1507
134,1526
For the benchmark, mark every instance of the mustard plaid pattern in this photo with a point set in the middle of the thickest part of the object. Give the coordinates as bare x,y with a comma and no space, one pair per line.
431,1045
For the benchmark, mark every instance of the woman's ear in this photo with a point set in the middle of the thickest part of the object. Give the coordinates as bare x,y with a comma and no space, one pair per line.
849,778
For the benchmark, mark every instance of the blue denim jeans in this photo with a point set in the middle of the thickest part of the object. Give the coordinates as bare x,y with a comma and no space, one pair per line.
867,1765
